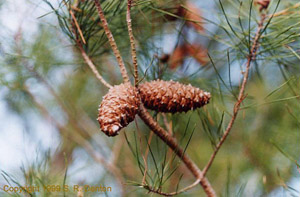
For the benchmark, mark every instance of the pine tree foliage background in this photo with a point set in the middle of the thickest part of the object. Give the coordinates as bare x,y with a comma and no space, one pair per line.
45,82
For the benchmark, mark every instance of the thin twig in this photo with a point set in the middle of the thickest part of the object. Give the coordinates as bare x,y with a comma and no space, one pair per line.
143,156
132,44
171,142
112,42
86,58
241,97
92,66
76,24
158,191
146,156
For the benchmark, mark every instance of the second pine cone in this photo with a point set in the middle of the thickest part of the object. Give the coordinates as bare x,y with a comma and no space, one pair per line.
171,96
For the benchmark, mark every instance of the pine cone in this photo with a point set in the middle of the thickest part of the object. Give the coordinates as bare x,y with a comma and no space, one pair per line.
170,96
118,108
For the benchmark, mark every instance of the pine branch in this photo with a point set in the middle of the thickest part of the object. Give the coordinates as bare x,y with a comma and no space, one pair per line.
132,44
242,96
112,41
146,117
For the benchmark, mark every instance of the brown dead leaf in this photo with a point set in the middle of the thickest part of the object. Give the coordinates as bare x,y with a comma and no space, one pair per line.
193,16
198,52
263,4
177,57
189,12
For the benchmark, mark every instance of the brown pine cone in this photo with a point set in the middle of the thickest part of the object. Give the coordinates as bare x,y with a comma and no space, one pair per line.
170,96
118,108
